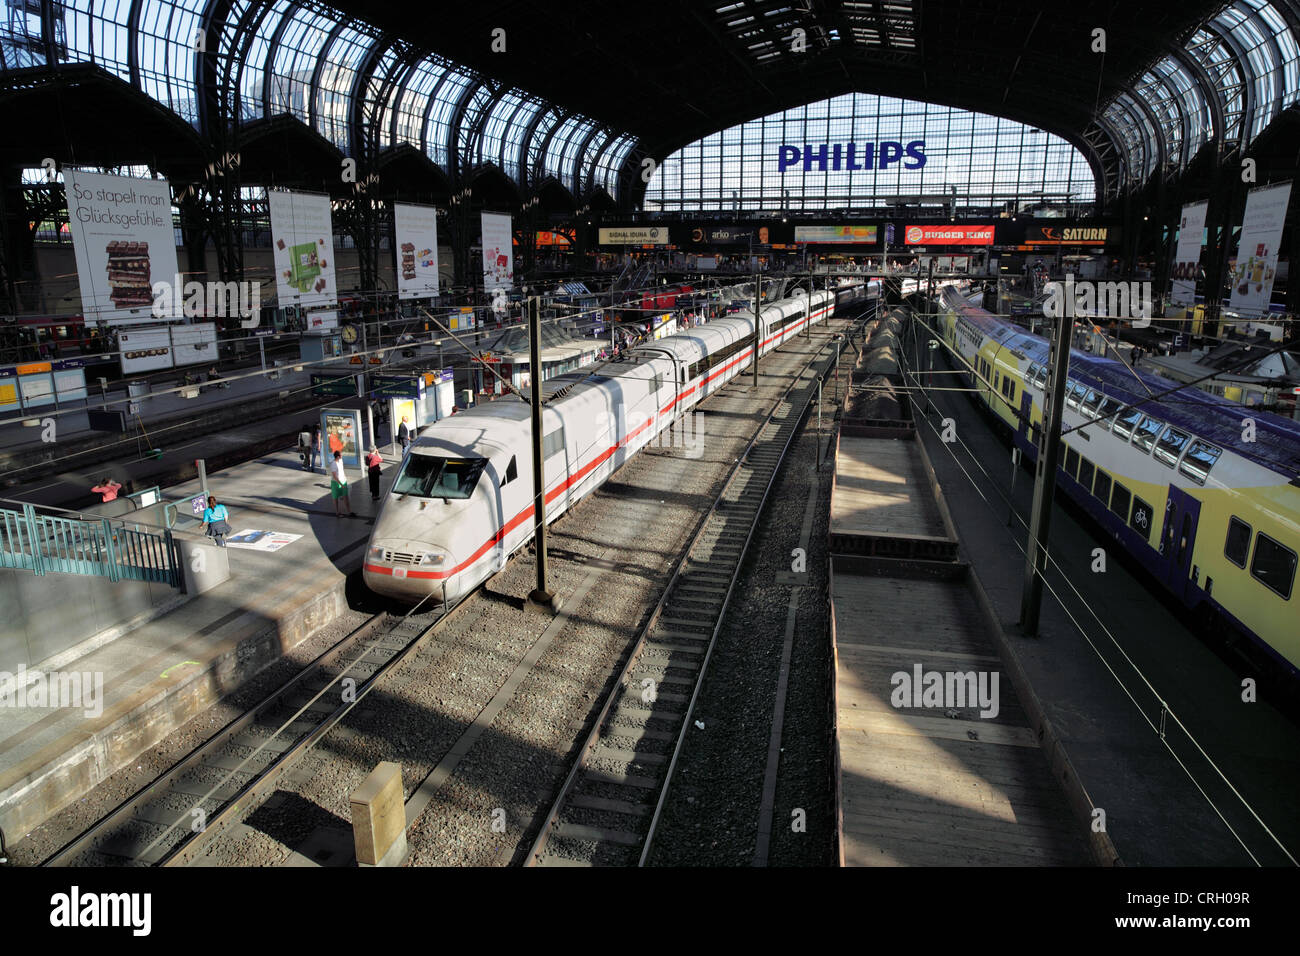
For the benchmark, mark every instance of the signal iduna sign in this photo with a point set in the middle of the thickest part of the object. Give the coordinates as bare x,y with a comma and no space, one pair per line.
948,235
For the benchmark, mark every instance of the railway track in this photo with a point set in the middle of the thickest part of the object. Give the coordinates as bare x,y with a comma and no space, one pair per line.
608,807
173,820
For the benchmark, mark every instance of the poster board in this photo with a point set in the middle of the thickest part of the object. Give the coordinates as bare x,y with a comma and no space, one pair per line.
498,253
415,247
193,344
302,245
341,430
146,350
124,240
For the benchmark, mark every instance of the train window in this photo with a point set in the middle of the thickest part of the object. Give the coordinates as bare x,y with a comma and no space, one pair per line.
683,374
512,471
1031,373
429,476
1171,445
553,443
1071,461
1106,411
1273,565
1073,393
1102,487
1086,471
1090,402
1126,421
1140,519
1198,461
1145,436
1040,380
1237,544
1119,501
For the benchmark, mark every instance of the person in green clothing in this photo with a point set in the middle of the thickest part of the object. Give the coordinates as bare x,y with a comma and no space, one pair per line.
339,486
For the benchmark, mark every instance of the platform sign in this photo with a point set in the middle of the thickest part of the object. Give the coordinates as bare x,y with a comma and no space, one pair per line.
397,386
198,505
124,240
1187,258
344,385
302,245
1261,238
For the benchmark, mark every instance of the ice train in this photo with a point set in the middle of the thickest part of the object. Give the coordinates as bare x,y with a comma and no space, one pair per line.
461,503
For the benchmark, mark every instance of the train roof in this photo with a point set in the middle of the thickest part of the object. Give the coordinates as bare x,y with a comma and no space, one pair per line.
1207,416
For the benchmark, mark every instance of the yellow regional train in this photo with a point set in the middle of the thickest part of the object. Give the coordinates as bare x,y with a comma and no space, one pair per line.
1203,492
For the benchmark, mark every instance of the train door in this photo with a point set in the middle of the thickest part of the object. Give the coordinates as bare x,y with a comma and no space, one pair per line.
1177,540
1026,414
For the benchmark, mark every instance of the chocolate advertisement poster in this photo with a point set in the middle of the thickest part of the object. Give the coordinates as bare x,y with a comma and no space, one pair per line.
416,229
1261,238
125,243
302,244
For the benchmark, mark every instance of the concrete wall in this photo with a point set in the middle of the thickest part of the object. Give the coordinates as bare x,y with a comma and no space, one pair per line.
46,615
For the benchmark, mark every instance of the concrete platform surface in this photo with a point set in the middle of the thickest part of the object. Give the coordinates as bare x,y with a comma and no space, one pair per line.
171,668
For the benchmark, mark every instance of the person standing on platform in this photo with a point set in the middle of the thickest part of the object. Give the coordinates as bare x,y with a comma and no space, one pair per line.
339,486
403,435
373,465
315,448
215,521
107,489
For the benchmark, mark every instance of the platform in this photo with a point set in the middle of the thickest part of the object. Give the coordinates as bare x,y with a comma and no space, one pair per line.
173,667
926,779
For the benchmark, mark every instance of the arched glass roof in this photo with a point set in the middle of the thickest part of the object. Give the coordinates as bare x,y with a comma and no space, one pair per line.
311,62
799,159
1240,70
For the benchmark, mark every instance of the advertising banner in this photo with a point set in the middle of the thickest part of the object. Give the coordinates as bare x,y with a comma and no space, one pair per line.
498,253
256,540
1067,235
864,235
302,244
1187,257
416,230
1261,236
341,431
948,235
730,235
634,236
146,350
124,241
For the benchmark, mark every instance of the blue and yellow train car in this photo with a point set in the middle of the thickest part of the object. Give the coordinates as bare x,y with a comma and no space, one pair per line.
1202,491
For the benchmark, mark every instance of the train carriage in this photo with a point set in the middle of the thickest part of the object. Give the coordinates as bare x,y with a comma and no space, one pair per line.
462,500
1203,492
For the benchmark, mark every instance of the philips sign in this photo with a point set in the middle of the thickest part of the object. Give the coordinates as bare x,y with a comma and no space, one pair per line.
853,156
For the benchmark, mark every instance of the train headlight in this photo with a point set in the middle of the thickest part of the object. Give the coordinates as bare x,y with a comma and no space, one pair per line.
375,554
432,559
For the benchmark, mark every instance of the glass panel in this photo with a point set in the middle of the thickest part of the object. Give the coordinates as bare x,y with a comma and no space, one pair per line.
1237,545
1273,565
1126,421
429,476
1198,461
1146,434
1171,445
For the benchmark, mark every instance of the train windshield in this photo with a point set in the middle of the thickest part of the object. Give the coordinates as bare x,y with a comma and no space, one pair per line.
429,476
